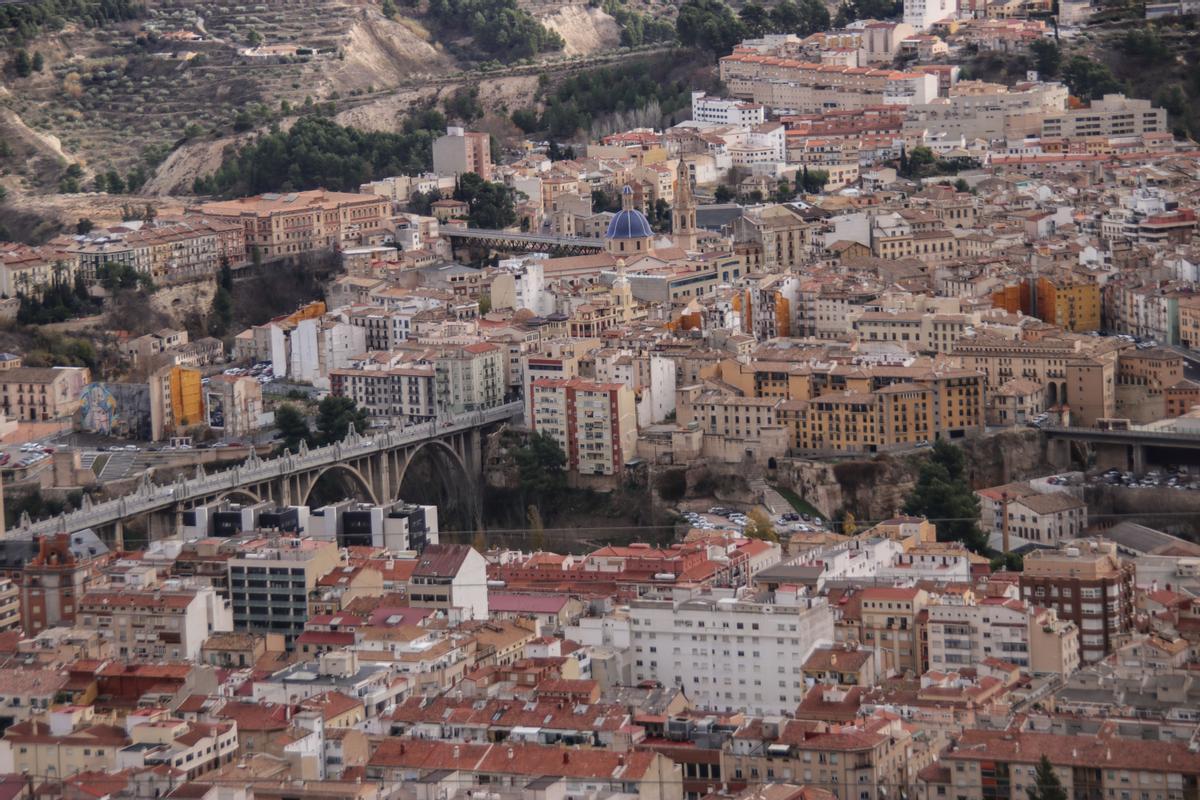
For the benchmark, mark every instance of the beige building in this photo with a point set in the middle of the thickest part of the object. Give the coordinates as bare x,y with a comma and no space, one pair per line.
890,626
29,270
1001,765
42,393
809,88
862,418
845,761
155,623
594,423
964,631
282,225
10,603
68,743
462,151
1113,115
1077,371
1087,582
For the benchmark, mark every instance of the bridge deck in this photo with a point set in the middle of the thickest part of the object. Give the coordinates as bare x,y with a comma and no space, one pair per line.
519,237
154,497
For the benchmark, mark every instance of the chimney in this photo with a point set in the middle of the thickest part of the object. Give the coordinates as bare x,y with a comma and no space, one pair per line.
510,754
566,757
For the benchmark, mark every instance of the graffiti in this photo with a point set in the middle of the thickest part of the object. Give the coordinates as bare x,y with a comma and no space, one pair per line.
97,409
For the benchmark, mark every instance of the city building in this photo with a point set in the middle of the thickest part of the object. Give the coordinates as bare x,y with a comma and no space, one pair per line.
450,577
594,423
726,112
1112,115
286,225
38,394
752,650
1088,583
460,151
270,580
162,622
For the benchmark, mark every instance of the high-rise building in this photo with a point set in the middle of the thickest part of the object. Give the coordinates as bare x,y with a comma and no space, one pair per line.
462,151
270,579
1088,583
594,423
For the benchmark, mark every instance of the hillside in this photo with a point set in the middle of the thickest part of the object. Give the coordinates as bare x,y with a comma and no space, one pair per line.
159,97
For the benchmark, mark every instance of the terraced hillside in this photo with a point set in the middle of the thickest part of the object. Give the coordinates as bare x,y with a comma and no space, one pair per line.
188,69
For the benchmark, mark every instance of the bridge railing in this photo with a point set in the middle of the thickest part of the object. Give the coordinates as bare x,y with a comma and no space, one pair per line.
150,496
1131,433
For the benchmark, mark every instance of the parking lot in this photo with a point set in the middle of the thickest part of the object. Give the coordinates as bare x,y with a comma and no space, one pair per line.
723,519
1170,477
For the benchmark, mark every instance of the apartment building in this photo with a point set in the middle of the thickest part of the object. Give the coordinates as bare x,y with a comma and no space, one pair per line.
405,393
809,88
51,584
721,111
1046,518
270,581
864,418
1112,115
1073,305
10,605
921,14
470,378
281,225
158,623
753,650
27,270
1076,370
594,423
965,632
890,626
37,394
176,401
852,762
1001,765
68,743
167,251
190,748
460,151
450,577
1086,582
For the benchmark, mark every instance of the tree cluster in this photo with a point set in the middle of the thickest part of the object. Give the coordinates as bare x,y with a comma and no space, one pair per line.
318,152
541,469
500,28
490,205
636,28
1089,80
23,21
801,17
61,300
943,495
580,99
114,277
851,10
924,163
335,417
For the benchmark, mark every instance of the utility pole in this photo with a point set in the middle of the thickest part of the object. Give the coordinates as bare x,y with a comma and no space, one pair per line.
1004,521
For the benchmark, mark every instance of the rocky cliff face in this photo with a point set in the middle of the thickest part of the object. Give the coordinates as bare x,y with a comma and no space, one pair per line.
875,488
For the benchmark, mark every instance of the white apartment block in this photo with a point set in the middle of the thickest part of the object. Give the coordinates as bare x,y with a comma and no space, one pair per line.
923,13
730,654
722,111
168,622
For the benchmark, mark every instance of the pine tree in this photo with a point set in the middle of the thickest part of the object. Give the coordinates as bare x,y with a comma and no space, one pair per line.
1046,785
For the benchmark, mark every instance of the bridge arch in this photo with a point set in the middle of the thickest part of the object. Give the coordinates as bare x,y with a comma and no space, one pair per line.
241,493
434,473
343,472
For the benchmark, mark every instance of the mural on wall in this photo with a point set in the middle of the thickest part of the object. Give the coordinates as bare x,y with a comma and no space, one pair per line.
97,409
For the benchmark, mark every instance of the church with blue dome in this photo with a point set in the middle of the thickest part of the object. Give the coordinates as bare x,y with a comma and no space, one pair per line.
629,232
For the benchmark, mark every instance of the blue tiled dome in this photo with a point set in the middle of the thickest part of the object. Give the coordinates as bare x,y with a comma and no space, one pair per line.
628,224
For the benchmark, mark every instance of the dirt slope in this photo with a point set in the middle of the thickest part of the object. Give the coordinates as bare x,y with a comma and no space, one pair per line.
584,29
